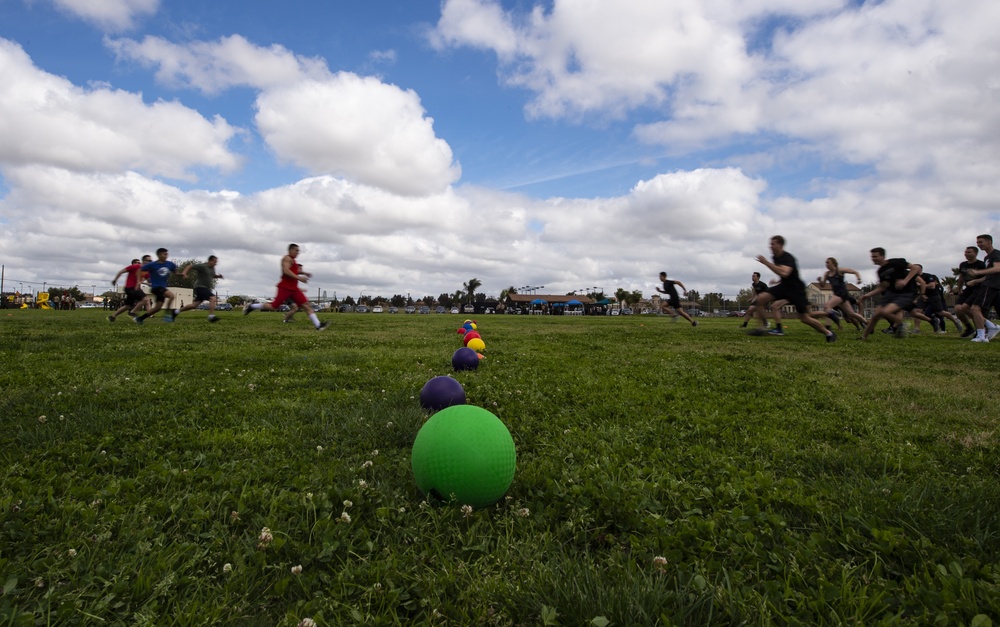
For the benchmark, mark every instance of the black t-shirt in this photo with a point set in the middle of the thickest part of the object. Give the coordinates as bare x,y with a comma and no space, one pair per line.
671,291
893,270
963,269
932,293
992,280
793,279
759,287
838,284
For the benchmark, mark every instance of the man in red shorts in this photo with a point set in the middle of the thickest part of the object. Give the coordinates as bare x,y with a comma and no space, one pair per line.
288,288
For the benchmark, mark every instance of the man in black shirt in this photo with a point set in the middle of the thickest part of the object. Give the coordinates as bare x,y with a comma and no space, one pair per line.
790,289
986,292
898,286
967,288
673,300
758,287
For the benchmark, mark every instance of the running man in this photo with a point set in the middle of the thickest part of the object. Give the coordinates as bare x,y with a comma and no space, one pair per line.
159,273
204,282
842,299
134,296
966,286
673,300
758,287
898,285
288,287
987,291
790,289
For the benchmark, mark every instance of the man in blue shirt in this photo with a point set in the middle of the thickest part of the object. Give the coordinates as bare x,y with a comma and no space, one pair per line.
159,272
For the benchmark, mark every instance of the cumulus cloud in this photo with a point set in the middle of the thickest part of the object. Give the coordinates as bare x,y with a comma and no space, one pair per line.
111,15
341,124
45,119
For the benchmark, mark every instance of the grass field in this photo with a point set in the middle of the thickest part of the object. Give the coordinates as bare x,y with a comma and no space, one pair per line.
666,475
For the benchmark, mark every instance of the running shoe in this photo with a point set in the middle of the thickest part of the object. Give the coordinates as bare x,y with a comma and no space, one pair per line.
168,318
138,320
969,332
900,332
322,325
111,318
247,309
213,318
775,332
832,337
694,323
992,332
980,340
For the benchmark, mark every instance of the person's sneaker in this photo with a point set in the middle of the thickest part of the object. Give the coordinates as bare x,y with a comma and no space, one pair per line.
992,332
694,323
168,318
900,332
213,318
889,331
138,320
247,309
935,325
980,340
757,331
775,332
111,318
969,332
322,325
832,337
942,332
288,321
744,325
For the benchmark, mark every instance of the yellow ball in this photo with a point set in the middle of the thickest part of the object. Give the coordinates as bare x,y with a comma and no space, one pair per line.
476,344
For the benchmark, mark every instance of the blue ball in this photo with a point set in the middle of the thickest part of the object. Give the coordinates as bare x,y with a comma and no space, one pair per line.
465,359
441,392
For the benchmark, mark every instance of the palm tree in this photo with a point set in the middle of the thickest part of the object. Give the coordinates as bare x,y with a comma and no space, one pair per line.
622,295
471,287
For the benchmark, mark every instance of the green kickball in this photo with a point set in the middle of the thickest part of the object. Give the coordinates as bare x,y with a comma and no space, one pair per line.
464,452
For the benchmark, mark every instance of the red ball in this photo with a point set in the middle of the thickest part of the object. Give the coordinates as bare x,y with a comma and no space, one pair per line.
471,335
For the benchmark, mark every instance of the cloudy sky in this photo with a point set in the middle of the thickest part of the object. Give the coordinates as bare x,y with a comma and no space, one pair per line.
411,146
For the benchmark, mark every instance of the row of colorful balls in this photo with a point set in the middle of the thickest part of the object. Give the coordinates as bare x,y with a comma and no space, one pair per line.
463,454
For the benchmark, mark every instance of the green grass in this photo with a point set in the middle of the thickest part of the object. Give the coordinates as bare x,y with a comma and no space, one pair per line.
784,480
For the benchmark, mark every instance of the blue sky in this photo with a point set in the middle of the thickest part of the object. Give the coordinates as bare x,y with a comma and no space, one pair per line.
411,146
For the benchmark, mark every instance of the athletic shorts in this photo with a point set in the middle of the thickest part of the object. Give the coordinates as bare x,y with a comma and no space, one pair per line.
202,293
133,296
673,302
847,298
159,294
984,297
903,300
795,296
966,296
933,307
284,294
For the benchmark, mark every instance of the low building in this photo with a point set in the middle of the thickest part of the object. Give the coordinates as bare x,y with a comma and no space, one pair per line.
549,304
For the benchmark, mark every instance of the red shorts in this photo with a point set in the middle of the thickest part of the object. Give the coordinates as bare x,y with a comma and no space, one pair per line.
284,294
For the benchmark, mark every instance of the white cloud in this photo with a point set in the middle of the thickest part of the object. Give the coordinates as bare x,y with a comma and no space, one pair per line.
45,119
111,15
341,124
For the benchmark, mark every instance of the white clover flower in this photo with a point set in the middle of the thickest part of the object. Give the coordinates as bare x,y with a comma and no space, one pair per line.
307,622
39,582
319,449
71,552
375,453
42,419
367,464
467,510
234,515
362,484
348,504
265,536
523,512
345,517
424,505
309,496
227,568
388,425
659,561
297,570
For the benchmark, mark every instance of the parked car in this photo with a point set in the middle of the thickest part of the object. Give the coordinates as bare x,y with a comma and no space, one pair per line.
410,309
454,310
377,309
627,311
361,309
393,309
469,309
425,310
440,309
346,309
224,307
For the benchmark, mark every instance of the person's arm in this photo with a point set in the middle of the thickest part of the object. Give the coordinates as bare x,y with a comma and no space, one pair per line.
184,270
856,274
914,270
994,269
875,292
822,279
682,286
286,269
124,270
782,271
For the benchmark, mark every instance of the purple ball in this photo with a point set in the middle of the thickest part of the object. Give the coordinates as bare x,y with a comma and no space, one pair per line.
441,392
465,359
